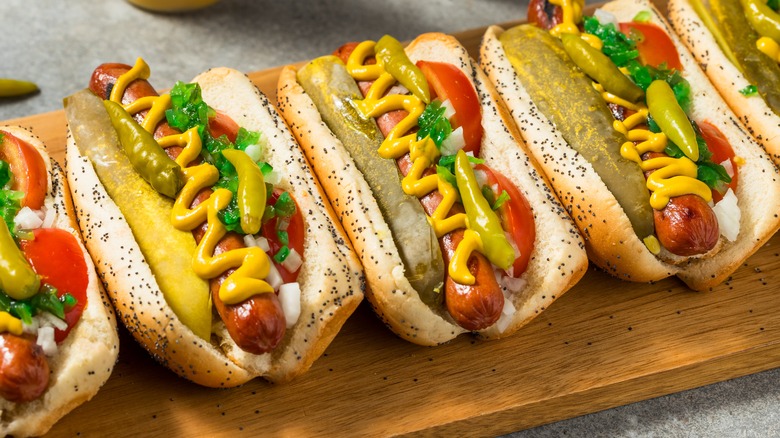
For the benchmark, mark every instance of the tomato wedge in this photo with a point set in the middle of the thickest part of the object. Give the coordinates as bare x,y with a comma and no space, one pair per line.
294,236
721,151
655,46
27,167
516,216
57,257
449,83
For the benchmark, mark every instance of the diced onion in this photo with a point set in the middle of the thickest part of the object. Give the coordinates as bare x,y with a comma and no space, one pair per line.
511,283
255,152
46,340
729,167
274,278
293,261
282,223
262,243
507,313
290,299
28,219
31,328
605,17
454,142
728,214
273,177
50,215
249,240
481,177
49,320
449,110
398,89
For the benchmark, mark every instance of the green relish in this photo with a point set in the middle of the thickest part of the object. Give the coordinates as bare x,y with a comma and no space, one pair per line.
750,90
10,200
434,124
46,300
622,50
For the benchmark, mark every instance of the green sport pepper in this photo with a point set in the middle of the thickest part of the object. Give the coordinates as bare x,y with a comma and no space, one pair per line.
251,189
15,87
481,216
600,68
671,118
762,18
703,12
17,278
395,61
146,155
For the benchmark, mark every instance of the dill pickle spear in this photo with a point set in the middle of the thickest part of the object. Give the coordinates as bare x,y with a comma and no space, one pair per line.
759,69
565,95
168,251
332,89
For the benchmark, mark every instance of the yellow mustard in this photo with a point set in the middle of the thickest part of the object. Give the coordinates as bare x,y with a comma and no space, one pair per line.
253,263
422,153
10,324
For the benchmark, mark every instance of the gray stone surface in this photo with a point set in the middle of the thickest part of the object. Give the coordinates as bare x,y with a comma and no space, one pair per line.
57,44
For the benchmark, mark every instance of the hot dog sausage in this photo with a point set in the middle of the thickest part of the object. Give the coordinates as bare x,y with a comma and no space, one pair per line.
256,325
24,371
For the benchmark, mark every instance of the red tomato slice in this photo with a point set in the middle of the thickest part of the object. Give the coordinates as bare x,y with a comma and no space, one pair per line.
449,83
294,236
656,47
27,167
517,217
57,257
221,124
721,151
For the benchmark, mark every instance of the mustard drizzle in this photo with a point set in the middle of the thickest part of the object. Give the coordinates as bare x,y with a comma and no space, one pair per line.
252,262
423,154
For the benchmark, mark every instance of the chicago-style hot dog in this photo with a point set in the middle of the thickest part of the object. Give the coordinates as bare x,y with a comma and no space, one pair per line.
487,246
199,201
736,44
648,159
58,340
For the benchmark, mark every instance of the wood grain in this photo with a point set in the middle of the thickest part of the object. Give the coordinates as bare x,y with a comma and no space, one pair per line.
605,343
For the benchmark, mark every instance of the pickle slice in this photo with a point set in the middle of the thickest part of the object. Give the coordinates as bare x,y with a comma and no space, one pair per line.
565,95
168,251
332,90
759,69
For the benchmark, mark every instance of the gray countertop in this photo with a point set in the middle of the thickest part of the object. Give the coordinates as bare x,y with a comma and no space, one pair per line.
57,44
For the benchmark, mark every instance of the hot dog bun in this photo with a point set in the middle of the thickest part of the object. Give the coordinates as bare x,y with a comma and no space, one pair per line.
752,111
330,278
558,261
611,242
86,357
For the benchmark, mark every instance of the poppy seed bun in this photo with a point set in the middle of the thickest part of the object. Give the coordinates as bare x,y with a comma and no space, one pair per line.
611,242
330,277
86,357
558,261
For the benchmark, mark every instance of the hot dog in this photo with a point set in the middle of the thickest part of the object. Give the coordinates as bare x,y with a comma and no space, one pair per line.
57,331
220,215
400,183
655,170
736,44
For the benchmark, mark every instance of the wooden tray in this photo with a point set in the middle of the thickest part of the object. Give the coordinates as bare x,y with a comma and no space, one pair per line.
604,344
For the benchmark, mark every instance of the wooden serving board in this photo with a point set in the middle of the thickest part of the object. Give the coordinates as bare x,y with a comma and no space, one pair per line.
605,343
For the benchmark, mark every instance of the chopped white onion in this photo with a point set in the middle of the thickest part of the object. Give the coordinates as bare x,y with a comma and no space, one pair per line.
481,177
454,142
255,152
50,215
605,17
273,177
262,243
50,320
290,299
398,89
449,110
293,261
512,242
282,223
28,219
511,283
249,240
728,214
46,340
274,278
506,314
31,328
729,167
